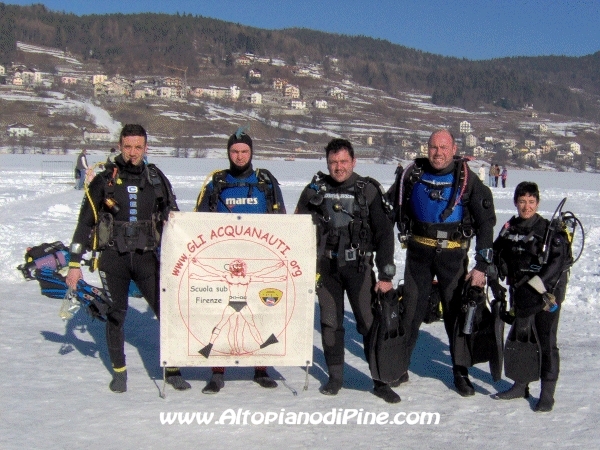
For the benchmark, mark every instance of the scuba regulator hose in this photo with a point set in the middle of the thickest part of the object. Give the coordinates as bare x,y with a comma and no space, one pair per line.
94,260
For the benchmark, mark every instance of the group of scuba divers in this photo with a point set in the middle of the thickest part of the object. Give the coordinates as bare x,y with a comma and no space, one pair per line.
438,205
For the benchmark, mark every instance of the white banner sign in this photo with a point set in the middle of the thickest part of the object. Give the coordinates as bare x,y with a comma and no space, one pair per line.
237,290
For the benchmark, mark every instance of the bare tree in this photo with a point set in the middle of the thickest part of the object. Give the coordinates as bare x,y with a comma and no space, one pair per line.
387,148
266,113
13,142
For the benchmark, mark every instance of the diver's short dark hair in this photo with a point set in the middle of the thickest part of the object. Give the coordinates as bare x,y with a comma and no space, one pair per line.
335,145
132,129
526,188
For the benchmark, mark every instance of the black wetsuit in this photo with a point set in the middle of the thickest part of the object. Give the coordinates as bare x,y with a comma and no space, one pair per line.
131,253
369,233
516,253
448,262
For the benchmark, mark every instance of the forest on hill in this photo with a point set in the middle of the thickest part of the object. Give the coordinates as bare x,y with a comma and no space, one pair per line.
144,43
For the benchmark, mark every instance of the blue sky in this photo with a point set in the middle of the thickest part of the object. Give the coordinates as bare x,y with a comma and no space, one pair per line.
472,29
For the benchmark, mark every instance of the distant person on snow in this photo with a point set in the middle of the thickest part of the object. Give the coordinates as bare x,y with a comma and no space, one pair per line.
81,167
496,174
504,176
481,172
111,156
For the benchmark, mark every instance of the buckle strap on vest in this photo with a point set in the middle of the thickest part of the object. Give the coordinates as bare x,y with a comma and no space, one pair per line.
440,243
132,236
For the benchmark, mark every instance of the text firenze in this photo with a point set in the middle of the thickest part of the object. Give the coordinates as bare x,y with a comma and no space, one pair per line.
209,289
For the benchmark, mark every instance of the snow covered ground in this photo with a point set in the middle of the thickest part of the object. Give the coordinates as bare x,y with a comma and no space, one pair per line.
54,374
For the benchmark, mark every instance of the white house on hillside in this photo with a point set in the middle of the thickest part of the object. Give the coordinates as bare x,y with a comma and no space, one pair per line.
243,60
18,130
465,127
565,157
410,154
279,83
31,76
336,92
291,91
165,91
17,79
470,141
139,93
575,148
97,79
96,134
254,73
215,92
256,98
479,151
298,104
68,80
